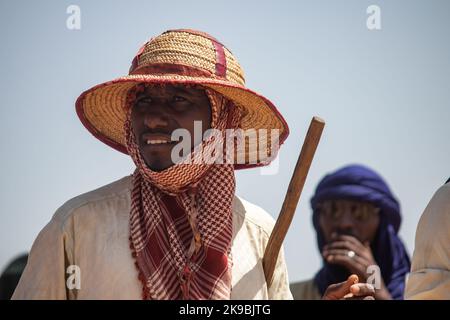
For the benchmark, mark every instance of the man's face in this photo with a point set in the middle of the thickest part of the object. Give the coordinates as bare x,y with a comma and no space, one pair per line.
160,110
352,218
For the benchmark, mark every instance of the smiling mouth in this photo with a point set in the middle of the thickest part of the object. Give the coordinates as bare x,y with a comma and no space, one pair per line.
156,139
158,142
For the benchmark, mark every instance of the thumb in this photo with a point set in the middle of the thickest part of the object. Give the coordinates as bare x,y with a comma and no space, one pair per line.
339,290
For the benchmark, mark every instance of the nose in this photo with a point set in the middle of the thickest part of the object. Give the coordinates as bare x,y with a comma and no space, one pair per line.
156,117
155,121
345,224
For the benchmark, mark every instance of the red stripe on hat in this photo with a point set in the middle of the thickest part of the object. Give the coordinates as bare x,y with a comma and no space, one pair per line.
221,61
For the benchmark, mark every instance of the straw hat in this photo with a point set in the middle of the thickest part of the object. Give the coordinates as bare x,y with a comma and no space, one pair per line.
180,57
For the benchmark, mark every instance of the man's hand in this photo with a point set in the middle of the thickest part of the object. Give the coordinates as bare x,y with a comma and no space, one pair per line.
350,253
338,252
350,290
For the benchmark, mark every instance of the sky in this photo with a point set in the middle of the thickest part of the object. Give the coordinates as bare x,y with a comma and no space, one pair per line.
384,95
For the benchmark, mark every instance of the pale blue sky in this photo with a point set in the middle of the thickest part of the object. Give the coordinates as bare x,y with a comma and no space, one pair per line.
384,95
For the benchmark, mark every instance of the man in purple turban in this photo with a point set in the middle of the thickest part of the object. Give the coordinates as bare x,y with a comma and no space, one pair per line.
357,219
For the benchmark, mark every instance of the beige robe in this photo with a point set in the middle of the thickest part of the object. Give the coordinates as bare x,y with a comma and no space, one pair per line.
87,241
305,290
430,270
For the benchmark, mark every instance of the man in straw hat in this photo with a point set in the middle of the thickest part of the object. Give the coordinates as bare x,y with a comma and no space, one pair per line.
174,229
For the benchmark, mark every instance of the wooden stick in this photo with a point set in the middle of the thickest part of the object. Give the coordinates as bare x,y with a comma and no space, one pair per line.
292,196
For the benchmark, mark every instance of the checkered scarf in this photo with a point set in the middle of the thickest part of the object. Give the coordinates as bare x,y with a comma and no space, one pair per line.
181,217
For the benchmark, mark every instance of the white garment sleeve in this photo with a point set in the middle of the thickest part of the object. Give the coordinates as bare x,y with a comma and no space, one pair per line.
430,270
44,274
279,290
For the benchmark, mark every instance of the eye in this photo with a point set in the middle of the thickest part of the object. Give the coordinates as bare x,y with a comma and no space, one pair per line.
359,214
180,104
143,100
179,99
142,103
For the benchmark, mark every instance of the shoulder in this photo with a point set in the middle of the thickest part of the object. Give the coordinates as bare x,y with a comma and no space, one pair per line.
441,198
437,213
253,215
118,190
429,277
305,290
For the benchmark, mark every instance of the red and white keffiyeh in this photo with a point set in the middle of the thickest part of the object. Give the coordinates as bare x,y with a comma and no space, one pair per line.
181,218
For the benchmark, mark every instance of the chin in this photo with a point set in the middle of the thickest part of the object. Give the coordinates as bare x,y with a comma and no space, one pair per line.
158,166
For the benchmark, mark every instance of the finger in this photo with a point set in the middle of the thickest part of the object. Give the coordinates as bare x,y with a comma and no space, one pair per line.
342,245
352,244
339,255
339,290
354,264
362,289
350,239
360,298
328,252
358,257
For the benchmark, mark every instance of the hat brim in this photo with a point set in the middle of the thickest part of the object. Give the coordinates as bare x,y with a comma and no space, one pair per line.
102,111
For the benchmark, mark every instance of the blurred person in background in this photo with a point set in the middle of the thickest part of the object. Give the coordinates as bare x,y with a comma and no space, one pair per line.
430,271
11,275
356,218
